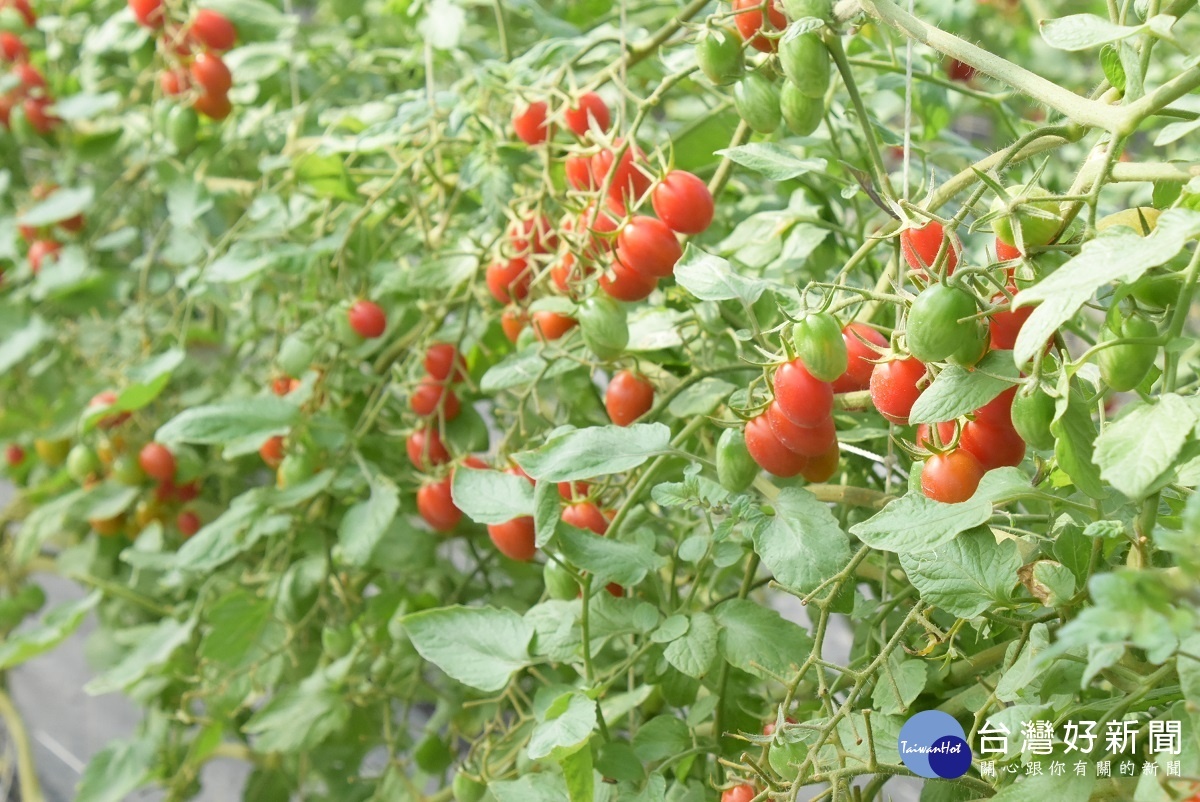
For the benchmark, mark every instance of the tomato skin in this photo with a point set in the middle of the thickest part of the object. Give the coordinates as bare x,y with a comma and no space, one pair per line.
952,477
998,411
628,182
82,463
585,515
426,449
1035,231
1123,367
894,388
959,71
435,504
213,106
1006,252
432,395
513,321
629,396
682,201
14,455
740,793
444,363
532,235
1032,414
945,435
719,53
993,445
805,61
509,281
158,462
821,347
530,123
770,454
107,398
756,99
272,451
603,325
935,327
589,108
801,113
39,251
808,441
627,284
549,326
188,523
1004,326
12,48
600,233
514,539
804,399
920,248
128,471
579,172
822,467
210,73
859,337
367,319
568,273
570,491
213,30
149,13
751,25
736,469
649,247
37,112
182,126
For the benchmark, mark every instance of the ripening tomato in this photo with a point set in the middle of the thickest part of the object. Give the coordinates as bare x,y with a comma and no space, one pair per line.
213,29
648,246
810,441
513,320
39,251
628,181
1037,215
579,172
149,13
12,48
38,114
740,793
107,398
549,326
894,387
959,71
436,505
14,455
602,231
472,461
211,75
530,123
30,77
1004,326
822,467
442,360
951,477
367,319
174,82
1006,252
432,395
993,445
588,109
585,515
771,454
189,491
509,281
514,539
920,247
629,396
426,449
188,523
570,491
859,339
213,106
769,727
750,24
567,273
805,400
158,462
272,451
627,284
805,62
534,234
108,527
683,202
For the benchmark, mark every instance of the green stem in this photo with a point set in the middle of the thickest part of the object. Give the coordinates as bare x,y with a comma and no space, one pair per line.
31,789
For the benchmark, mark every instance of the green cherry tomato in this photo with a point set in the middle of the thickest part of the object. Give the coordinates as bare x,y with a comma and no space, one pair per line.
736,469
799,9
467,789
1039,220
805,62
1158,290
559,582
82,463
295,468
336,641
182,125
977,338
1032,414
801,113
819,344
719,53
126,470
936,328
31,598
603,326
757,101
1123,367
295,355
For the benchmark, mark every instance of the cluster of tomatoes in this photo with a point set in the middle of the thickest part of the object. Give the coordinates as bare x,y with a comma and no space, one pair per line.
43,240
195,68
30,100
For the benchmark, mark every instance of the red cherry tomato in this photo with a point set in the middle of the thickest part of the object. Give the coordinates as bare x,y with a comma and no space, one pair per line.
436,505
509,281
992,445
894,388
475,462
14,455
920,248
158,462
649,247
30,77
272,451
174,82
628,182
24,9
1006,252
805,400
952,477
821,468
809,441
107,398
532,235
41,250
442,360
148,12
426,449
570,491
998,411
585,515
514,539
771,454
367,319
213,30
432,395
530,123
213,106
12,48
568,273
750,25
683,202
188,523
859,338
588,109
579,172
600,239
959,71
1006,325
188,492
211,74
37,112
627,284
628,397
513,320
550,326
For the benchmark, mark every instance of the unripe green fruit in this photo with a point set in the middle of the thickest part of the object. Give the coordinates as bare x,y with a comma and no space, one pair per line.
1032,414
805,61
819,344
719,54
757,101
1036,230
736,469
801,113
935,327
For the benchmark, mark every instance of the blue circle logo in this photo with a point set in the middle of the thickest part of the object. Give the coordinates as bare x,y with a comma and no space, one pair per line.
933,745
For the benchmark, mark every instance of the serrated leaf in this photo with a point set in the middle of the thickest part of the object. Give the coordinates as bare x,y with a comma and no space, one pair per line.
63,204
566,725
957,391
802,544
491,497
153,649
773,161
1135,450
918,524
694,652
711,278
226,421
365,524
1075,436
595,451
609,560
966,575
1084,31
759,640
55,627
480,647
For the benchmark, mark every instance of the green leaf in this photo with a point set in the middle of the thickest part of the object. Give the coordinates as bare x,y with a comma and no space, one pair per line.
966,575
117,770
522,369
235,624
565,726
773,161
1050,582
694,652
578,771
63,204
365,524
547,512
1135,450
233,532
299,718
531,788
1075,436
107,500
1110,62
479,647
802,544
701,398
711,278
87,105
326,174
16,344
957,391
1085,31
54,628
595,451
226,421
609,560
900,682
154,648
491,497
254,19
661,737
1117,255
759,640
1040,787
917,524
